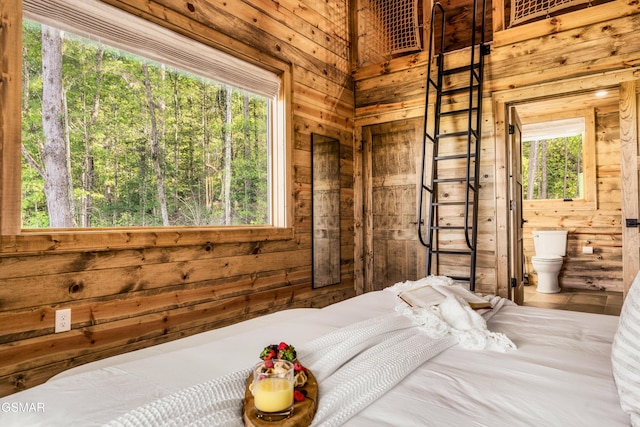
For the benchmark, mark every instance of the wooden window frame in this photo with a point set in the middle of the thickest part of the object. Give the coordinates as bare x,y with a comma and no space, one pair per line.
13,239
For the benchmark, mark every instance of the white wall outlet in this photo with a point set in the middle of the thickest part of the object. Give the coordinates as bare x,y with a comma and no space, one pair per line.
63,320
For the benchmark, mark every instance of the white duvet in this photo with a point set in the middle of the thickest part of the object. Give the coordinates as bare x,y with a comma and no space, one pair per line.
560,374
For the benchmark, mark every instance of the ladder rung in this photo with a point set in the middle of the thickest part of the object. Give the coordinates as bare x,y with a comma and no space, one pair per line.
454,156
452,203
454,112
451,252
458,90
456,134
461,179
471,187
461,278
457,202
460,69
449,227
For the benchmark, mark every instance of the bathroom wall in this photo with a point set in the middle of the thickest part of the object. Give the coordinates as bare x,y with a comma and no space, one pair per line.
598,228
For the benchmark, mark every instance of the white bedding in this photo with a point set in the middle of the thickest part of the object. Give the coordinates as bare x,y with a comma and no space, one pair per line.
560,374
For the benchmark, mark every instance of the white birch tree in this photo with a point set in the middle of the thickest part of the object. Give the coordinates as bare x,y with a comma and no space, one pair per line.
155,147
54,154
227,158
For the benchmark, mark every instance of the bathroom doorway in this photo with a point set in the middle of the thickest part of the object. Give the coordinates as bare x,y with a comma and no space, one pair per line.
591,213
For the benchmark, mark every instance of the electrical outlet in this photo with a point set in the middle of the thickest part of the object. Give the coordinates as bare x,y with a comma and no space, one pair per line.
63,320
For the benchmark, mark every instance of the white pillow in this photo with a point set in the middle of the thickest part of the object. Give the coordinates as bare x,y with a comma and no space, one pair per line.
625,354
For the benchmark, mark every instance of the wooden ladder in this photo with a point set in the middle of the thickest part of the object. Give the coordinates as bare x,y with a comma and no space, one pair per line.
454,150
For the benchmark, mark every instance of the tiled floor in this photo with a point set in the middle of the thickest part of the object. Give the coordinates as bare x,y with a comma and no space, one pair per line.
602,302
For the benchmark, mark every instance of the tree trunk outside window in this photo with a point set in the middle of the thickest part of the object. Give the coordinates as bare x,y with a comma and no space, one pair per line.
227,159
54,154
533,169
543,175
155,147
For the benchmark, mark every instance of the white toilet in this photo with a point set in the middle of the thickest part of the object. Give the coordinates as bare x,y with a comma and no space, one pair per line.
550,247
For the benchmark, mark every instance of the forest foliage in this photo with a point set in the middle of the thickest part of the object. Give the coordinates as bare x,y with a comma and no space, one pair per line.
552,168
142,137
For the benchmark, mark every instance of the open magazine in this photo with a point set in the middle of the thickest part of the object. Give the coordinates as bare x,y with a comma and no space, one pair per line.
428,295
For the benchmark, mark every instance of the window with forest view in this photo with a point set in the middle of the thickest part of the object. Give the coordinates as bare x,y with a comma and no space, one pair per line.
552,160
114,139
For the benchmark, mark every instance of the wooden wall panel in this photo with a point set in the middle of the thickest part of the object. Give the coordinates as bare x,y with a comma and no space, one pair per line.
129,290
132,289
600,49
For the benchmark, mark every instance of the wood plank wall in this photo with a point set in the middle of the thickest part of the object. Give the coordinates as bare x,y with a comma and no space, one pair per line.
131,289
574,52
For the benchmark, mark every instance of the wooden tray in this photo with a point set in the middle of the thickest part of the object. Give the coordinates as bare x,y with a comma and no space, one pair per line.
303,412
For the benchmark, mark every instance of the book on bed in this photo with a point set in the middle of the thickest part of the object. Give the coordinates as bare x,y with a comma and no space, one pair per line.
428,295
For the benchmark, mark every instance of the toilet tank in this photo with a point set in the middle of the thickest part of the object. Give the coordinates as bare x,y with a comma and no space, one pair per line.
550,242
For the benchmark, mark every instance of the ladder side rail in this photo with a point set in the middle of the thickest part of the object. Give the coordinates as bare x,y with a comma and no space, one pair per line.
482,51
437,7
478,122
432,231
471,130
434,154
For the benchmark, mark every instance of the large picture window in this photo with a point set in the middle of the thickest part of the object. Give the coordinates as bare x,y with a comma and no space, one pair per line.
128,125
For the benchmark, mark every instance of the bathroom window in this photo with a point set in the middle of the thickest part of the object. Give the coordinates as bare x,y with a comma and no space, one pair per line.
552,159
558,159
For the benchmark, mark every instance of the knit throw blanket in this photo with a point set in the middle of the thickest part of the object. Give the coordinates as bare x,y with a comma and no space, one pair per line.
455,317
365,360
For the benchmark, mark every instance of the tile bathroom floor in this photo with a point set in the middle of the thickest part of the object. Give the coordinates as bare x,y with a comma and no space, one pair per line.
601,302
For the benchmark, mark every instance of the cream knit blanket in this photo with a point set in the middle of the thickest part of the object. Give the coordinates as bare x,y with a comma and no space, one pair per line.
364,361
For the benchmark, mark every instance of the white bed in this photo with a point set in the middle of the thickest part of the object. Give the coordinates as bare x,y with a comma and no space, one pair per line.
559,375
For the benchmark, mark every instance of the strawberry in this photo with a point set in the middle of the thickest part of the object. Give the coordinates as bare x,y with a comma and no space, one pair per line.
271,354
298,367
268,363
298,396
283,346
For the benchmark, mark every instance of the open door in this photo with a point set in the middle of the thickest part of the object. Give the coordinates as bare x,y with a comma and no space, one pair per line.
516,251
629,101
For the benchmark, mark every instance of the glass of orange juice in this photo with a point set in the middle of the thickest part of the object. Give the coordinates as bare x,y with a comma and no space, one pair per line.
273,389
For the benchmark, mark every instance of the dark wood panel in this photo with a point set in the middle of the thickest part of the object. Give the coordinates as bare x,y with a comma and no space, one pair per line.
397,254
